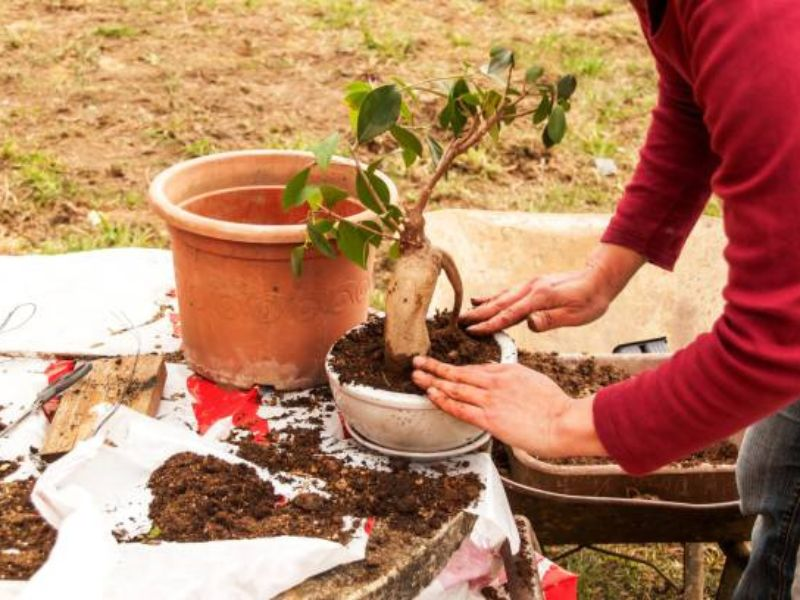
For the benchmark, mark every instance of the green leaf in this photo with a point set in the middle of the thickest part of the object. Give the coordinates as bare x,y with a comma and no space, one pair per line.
378,112
557,125
332,195
312,196
317,237
365,195
566,87
533,73
412,147
491,100
355,93
293,192
543,110
435,149
392,218
324,226
500,59
548,143
297,255
376,236
509,114
471,99
155,532
394,251
353,243
325,150
458,91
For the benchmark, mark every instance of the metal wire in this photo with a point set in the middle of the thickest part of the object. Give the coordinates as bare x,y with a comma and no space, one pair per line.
131,378
622,556
4,325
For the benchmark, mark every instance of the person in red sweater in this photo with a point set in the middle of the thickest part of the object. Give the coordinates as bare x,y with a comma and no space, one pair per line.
728,121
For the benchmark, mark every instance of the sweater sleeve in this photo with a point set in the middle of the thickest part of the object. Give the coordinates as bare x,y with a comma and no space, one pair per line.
743,55
672,182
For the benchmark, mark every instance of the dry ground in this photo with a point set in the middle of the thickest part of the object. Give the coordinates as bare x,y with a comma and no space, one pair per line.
96,96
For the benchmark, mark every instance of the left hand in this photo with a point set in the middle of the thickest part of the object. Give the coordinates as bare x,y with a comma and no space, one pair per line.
517,405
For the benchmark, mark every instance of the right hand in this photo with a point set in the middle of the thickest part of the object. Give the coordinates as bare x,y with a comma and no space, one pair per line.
559,300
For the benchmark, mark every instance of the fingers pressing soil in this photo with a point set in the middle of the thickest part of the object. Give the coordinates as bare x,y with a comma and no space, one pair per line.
359,356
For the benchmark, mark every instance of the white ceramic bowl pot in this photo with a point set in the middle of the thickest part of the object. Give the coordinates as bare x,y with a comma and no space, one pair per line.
405,424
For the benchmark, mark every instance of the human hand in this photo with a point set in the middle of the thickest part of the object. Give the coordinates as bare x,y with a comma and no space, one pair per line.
517,405
559,300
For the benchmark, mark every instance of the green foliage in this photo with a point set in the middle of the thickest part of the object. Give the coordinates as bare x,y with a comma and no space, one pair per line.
293,192
324,151
477,104
116,32
41,177
378,112
200,147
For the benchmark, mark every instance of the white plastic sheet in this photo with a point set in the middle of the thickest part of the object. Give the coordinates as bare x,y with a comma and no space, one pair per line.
89,303
79,304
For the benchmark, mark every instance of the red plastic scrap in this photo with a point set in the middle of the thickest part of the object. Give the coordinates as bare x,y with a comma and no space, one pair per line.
213,403
54,371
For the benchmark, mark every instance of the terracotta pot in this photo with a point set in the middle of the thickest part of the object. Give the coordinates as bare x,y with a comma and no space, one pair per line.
245,319
406,423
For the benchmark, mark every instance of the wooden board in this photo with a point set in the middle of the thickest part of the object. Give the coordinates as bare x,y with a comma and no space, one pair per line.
137,381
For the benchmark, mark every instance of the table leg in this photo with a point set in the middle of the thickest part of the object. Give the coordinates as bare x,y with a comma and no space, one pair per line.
736,557
693,572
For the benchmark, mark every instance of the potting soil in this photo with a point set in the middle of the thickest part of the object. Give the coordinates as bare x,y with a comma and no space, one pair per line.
359,356
586,377
199,498
25,538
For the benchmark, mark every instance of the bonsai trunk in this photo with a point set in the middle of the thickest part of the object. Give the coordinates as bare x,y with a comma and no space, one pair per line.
409,296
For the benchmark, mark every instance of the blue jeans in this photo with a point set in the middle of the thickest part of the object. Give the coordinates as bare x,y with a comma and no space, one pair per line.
768,478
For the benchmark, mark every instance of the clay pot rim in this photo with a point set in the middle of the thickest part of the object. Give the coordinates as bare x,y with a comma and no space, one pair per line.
401,400
183,219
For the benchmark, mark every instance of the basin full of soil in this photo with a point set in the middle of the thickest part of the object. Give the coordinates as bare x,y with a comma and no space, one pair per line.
358,357
387,409
704,477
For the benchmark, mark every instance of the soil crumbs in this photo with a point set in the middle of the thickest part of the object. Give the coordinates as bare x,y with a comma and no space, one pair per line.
587,377
359,356
25,537
200,498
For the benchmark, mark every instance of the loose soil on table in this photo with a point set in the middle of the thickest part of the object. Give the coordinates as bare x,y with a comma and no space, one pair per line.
25,537
359,358
586,377
197,498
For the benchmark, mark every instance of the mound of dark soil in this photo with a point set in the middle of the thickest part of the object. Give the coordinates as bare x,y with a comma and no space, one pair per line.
199,498
359,357
25,537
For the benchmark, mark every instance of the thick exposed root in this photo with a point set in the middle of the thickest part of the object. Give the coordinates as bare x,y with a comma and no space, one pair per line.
408,297
454,277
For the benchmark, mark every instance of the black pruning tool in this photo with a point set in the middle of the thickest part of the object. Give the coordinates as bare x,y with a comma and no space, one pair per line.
54,389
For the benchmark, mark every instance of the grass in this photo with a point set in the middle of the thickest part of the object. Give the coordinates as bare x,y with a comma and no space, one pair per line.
38,177
116,32
99,95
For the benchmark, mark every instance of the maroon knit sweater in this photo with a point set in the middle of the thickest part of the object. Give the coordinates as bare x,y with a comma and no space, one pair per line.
727,121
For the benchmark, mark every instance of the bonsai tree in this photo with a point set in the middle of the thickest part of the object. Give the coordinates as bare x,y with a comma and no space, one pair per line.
473,106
